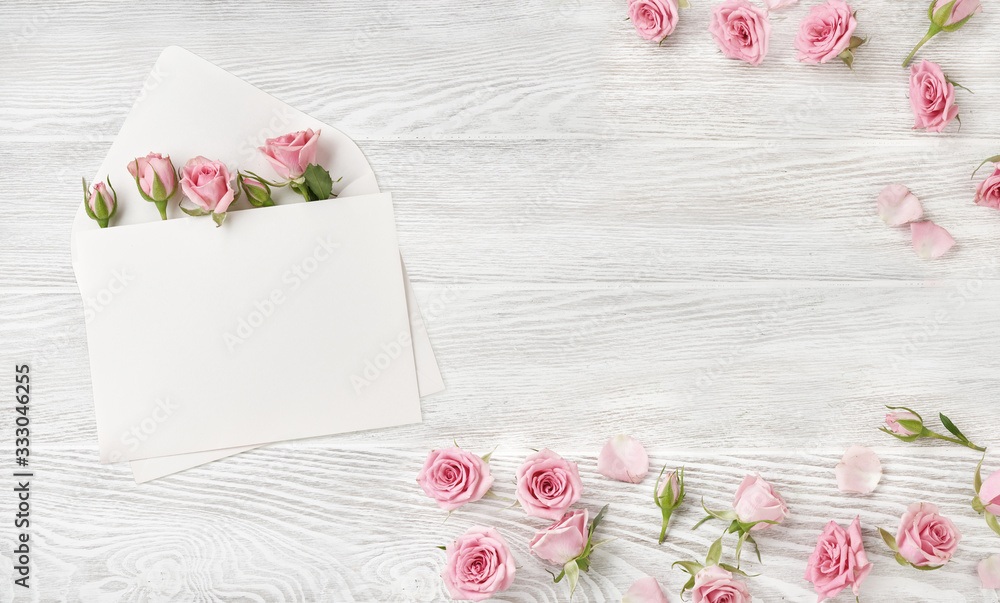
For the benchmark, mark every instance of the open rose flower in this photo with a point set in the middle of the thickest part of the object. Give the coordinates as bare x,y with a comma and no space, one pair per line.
741,30
926,538
838,561
623,458
291,154
478,565
932,97
562,541
547,485
859,471
826,32
653,19
645,590
930,240
988,191
208,184
898,206
756,500
714,584
989,572
454,477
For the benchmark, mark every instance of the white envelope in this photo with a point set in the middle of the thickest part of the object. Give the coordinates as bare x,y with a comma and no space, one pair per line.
188,107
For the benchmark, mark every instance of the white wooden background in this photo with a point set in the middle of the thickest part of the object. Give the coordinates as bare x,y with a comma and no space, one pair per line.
605,235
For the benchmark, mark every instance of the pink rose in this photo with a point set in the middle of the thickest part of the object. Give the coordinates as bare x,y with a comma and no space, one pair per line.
478,565
207,184
150,168
989,493
898,206
715,585
932,97
989,572
988,191
547,485
838,561
925,538
675,489
892,422
653,19
961,10
291,154
453,477
825,32
645,590
741,30
756,500
101,201
562,541
623,458
930,240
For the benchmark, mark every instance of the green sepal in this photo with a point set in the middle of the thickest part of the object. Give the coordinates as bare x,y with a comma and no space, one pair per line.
736,570
977,481
889,539
86,201
486,457
218,218
907,410
926,568
193,212
714,553
899,559
905,438
978,506
691,567
991,520
993,159
572,572
683,4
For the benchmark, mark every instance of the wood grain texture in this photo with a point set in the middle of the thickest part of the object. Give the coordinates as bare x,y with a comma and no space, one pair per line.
605,236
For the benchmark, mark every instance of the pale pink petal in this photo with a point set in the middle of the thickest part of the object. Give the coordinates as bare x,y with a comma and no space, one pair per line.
645,590
623,458
929,239
897,205
775,4
859,471
989,572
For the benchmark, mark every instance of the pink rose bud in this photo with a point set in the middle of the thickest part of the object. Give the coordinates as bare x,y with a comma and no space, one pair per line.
100,204
859,471
208,184
156,178
898,206
454,477
946,15
932,97
838,561
653,19
989,494
930,240
623,458
562,541
989,572
547,485
827,33
669,495
988,191
258,193
741,30
756,500
291,154
911,424
926,538
478,565
645,590
716,585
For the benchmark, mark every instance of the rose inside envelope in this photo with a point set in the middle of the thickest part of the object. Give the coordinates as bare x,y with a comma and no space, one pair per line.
251,333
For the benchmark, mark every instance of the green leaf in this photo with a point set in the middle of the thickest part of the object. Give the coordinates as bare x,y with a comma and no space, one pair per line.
955,431
443,548
714,553
994,159
597,520
889,539
991,520
319,182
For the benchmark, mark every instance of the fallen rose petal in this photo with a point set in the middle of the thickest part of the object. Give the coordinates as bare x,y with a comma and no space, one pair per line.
645,590
898,206
859,471
623,458
775,4
989,572
929,239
